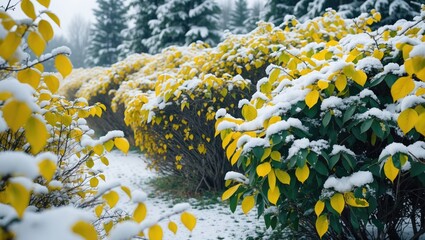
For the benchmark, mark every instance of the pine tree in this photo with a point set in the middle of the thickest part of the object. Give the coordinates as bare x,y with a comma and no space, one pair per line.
110,22
203,22
256,14
238,16
276,10
144,11
180,22
226,9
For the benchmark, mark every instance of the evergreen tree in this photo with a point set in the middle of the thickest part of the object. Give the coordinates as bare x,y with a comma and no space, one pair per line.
144,11
180,22
226,9
391,10
256,14
238,17
106,33
276,10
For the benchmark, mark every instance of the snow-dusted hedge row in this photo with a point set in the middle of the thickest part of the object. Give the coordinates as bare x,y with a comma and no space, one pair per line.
329,134
332,141
51,181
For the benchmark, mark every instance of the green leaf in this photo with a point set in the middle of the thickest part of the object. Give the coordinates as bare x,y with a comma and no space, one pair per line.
366,125
326,119
417,169
334,160
349,113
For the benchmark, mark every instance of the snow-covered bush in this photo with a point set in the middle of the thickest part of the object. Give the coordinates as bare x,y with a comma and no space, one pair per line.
51,183
332,141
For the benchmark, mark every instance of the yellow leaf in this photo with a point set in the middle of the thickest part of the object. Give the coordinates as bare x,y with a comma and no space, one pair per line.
63,65
390,170
98,149
52,82
18,197
227,140
9,45
122,144
402,87
109,145
172,226
359,77
420,91
94,182
36,43
337,202
322,225
111,198
140,213
341,82
273,195
126,190
318,208
355,202
7,21
249,112
311,98
46,30
47,169
29,76
188,220
275,155
322,84
274,75
98,210
263,169
108,226
407,120
229,192
155,232
28,8
266,154
283,176
16,114
36,134
420,124
378,54
45,3
85,230
416,65
247,204
302,173
53,17
235,157
231,149
271,179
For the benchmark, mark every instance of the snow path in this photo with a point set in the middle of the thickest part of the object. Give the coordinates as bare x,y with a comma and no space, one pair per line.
214,221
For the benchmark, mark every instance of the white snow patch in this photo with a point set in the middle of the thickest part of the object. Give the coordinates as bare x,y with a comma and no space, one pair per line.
346,184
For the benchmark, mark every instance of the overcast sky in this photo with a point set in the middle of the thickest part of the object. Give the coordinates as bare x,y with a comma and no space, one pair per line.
67,9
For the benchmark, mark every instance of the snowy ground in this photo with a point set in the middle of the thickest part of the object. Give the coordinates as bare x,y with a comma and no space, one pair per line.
214,221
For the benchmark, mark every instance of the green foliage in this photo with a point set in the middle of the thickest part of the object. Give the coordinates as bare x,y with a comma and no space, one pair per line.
335,133
103,47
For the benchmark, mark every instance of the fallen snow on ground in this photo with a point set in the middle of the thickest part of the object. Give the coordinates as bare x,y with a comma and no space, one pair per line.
214,221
